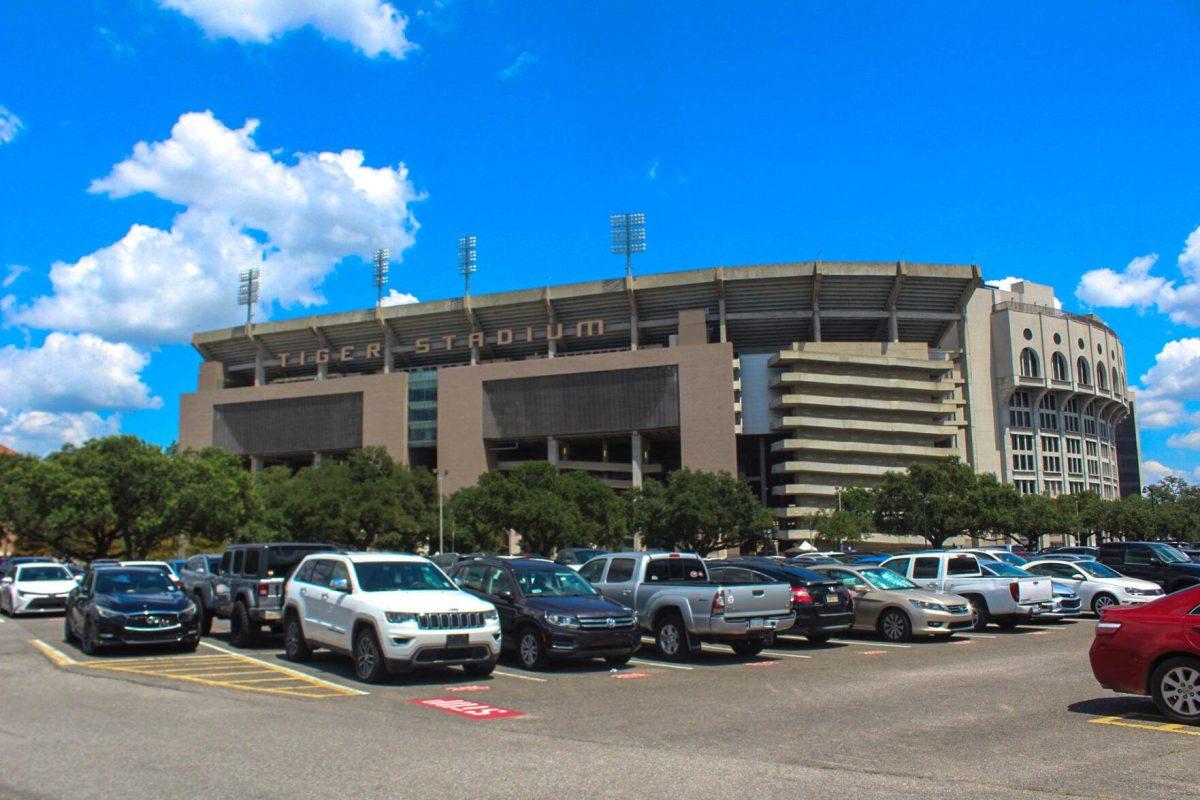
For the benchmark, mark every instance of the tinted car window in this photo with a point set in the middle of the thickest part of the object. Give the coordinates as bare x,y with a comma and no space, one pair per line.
226,561
733,575
963,565
662,570
238,556
925,567
496,581
195,563
471,577
322,572
252,562
1138,554
133,582
340,572
282,560
592,570
620,570
898,565
305,573
408,576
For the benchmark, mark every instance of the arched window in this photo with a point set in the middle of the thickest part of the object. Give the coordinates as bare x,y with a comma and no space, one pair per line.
1058,364
1030,368
1102,376
1082,372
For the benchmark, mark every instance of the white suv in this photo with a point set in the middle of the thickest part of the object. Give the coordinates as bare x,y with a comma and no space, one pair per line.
390,612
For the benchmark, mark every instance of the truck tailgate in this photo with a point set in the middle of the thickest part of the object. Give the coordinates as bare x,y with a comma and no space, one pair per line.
757,600
1035,590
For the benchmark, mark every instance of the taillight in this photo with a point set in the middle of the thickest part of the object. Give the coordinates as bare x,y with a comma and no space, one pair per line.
264,589
1107,627
800,595
718,605
1014,590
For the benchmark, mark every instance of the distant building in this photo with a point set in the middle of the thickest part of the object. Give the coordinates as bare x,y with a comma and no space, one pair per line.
1129,454
4,451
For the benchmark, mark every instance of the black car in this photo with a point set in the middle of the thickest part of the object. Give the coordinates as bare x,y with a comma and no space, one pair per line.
577,556
548,612
1151,561
823,606
131,606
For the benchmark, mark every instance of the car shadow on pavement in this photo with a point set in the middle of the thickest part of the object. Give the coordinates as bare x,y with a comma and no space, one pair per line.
1118,706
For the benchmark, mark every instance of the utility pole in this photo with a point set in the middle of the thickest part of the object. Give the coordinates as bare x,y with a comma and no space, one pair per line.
441,512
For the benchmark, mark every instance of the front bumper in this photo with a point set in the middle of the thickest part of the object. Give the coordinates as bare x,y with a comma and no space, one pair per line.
406,647
139,632
563,643
25,603
930,623
1059,609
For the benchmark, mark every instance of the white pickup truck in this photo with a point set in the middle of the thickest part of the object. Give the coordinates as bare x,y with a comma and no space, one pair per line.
1006,601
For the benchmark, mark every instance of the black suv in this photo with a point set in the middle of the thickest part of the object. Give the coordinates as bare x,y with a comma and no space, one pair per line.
1161,563
248,586
548,612
823,606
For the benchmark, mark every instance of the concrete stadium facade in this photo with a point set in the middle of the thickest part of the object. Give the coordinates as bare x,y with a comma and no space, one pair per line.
800,378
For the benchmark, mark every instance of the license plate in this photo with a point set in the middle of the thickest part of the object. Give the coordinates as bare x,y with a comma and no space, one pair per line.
458,640
831,599
756,624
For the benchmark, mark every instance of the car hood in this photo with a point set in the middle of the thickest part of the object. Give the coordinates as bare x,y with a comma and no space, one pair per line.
1129,583
1190,567
904,595
426,602
144,602
45,587
577,606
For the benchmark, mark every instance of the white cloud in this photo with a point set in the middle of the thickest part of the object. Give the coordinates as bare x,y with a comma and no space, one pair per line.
372,26
1154,471
519,66
1136,287
41,431
15,271
1169,385
397,298
1185,441
243,207
74,372
10,125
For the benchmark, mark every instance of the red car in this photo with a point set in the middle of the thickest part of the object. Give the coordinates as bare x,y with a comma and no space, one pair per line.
1153,650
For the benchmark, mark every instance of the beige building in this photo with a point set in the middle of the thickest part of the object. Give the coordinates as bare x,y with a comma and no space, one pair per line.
800,378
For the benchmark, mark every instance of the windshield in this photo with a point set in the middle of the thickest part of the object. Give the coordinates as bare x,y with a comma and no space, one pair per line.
402,576
43,574
1011,558
886,579
1097,570
553,583
1168,554
133,582
1003,570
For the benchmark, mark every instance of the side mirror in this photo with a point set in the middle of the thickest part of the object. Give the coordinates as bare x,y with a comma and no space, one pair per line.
505,594
458,580
860,587
78,579
1155,562
6,579
340,584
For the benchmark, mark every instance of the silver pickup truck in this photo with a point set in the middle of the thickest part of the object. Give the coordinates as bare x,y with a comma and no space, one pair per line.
675,601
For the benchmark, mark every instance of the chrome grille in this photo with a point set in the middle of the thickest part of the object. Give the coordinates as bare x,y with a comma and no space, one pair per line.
157,620
453,619
601,623
961,609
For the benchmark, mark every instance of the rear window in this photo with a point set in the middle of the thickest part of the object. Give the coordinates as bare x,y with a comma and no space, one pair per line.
662,570
253,559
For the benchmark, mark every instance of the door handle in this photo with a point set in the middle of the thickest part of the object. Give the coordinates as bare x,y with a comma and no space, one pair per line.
304,592
757,592
324,595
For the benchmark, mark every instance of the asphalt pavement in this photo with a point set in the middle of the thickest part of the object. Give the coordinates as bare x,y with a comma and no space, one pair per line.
1001,715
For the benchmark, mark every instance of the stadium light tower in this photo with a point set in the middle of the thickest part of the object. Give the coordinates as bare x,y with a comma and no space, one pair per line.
248,291
380,274
628,237
466,261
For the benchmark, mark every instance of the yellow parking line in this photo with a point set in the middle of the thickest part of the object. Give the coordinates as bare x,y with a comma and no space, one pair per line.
53,653
336,687
1162,727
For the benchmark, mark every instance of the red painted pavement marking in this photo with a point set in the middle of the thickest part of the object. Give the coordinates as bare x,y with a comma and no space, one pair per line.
468,708
626,676
762,663
469,688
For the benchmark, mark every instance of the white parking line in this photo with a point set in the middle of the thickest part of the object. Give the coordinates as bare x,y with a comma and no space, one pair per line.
977,635
777,654
868,644
282,668
522,677
659,664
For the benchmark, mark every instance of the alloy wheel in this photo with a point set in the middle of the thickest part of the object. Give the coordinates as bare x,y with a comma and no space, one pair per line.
529,649
365,661
1102,602
893,627
668,639
1180,689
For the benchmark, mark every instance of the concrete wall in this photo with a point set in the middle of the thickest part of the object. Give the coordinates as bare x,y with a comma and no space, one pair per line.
385,406
705,404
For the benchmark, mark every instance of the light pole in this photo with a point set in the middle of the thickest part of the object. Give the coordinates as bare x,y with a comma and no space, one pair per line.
628,237
380,274
248,291
441,511
466,261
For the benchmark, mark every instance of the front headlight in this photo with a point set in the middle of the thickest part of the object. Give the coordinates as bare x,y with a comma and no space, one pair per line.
491,616
928,606
562,620
108,613
400,617
189,610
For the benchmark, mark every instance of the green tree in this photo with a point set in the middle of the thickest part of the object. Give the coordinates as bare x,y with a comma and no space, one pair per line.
927,500
700,512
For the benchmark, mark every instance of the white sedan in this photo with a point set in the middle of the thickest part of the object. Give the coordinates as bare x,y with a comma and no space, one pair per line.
1097,585
36,588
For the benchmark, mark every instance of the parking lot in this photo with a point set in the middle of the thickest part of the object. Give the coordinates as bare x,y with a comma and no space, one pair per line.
984,715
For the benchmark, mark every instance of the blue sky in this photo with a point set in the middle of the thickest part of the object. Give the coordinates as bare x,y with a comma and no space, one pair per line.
1056,142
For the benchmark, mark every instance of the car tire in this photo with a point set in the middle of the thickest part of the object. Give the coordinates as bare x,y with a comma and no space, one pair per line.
671,637
89,640
368,656
1008,624
480,670
206,616
618,661
1175,687
68,635
895,626
242,632
1102,601
747,647
531,653
189,647
979,614
295,646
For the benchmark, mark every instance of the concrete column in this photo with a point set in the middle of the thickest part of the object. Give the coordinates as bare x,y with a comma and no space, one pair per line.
322,371
636,446
389,345
260,369
633,329
474,354
552,450
721,315
318,458
256,464
893,327
762,469
552,350
816,324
